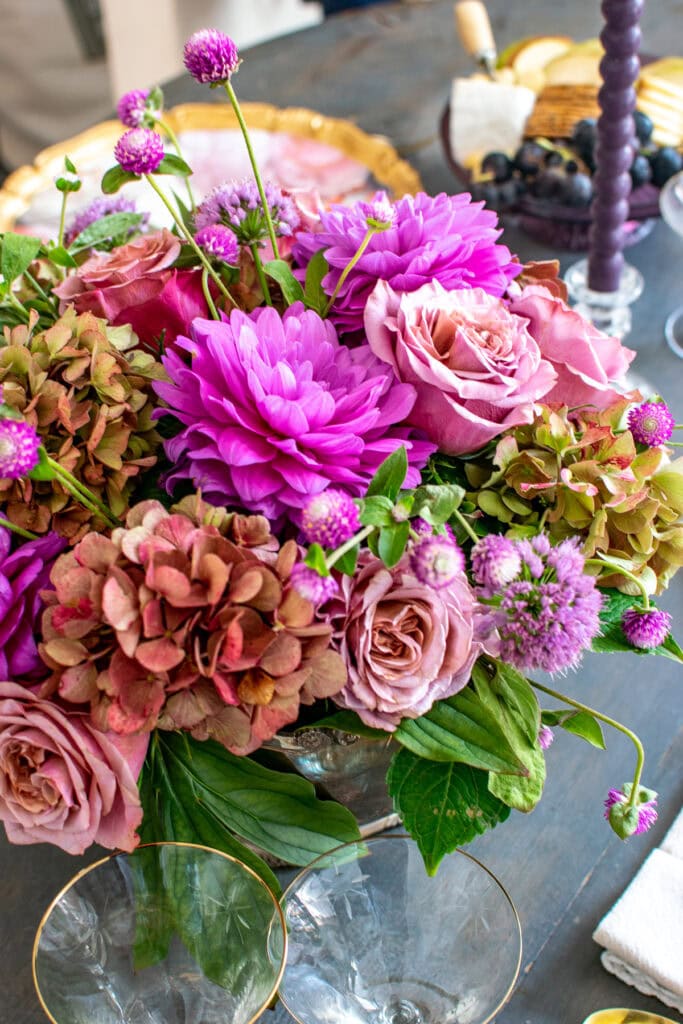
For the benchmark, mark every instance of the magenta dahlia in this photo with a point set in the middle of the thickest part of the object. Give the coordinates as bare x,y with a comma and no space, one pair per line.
444,238
275,409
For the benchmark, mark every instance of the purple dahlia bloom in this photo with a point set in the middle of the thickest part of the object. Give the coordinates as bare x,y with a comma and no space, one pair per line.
19,444
237,205
98,208
140,151
132,108
651,423
444,238
275,410
210,56
23,574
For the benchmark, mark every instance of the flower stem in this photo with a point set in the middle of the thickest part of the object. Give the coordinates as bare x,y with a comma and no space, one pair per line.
254,166
18,305
348,545
207,295
81,492
39,290
62,218
466,526
640,753
623,572
9,525
349,267
260,273
173,139
187,235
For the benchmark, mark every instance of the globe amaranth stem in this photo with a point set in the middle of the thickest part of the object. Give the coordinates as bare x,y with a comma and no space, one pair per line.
349,266
623,572
19,530
348,545
640,753
173,139
260,273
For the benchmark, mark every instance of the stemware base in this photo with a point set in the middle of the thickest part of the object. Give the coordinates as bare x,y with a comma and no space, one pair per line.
673,331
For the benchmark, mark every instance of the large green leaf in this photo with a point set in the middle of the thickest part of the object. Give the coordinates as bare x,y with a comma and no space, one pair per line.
443,806
111,226
349,722
390,476
612,639
277,811
281,272
579,723
316,270
522,793
461,728
18,252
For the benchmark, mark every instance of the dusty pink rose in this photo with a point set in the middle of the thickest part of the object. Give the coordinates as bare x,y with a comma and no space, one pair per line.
585,359
62,781
405,645
135,284
476,367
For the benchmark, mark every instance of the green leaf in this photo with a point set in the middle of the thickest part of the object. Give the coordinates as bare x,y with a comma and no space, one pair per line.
113,225
612,639
67,185
580,723
443,806
155,100
61,257
69,164
314,293
115,178
276,811
172,164
42,470
377,511
348,721
347,562
187,218
18,253
521,792
436,503
392,543
390,475
461,728
280,271
315,558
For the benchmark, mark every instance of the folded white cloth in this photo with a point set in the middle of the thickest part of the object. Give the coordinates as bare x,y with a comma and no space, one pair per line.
643,932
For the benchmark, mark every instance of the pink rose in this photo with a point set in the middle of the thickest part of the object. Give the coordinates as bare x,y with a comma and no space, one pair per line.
135,284
586,360
475,366
62,781
405,645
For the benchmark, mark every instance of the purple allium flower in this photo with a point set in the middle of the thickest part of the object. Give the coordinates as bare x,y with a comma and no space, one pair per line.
311,585
646,628
436,561
19,444
646,808
210,56
219,241
238,206
495,563
330,518
132,108
275,410
98,208
550,613
651,423
546,737
23,575
140,151
443,238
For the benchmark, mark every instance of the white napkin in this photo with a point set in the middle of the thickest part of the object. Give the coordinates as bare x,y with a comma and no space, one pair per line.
643,932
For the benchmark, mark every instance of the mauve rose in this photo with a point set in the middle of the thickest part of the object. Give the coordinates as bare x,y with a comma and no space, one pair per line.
62,781
586,360
135,284
475,366
405,645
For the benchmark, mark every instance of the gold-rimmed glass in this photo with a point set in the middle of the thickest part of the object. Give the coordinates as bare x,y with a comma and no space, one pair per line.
172,933
373,939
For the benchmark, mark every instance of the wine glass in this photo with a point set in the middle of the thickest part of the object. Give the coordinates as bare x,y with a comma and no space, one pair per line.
373,939
671,206
172,933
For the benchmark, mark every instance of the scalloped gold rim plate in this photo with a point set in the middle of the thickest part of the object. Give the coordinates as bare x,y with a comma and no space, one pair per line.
373,151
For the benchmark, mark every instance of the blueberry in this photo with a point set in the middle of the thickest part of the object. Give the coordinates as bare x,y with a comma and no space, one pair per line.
529,158
553,158
508,192
499,165
641,172
585,132
548,184
571,167
576,190
644,127
665,163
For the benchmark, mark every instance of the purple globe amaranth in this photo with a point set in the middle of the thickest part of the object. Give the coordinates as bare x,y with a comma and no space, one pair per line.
237,205
132,108
274,410
436,561
495,562
546,737
636,820
646,628
651,423
219,241
19,444
330,518
24,573
103,206
310,585
210,56
445,238
140,151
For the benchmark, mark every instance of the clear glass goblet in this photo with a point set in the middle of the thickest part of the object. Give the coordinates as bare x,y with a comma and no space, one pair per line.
671,206
373,939
172,933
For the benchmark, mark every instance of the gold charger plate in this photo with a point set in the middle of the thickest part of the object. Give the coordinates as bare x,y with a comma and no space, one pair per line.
22,188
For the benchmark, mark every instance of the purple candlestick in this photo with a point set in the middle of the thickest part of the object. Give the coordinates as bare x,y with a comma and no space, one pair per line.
616,142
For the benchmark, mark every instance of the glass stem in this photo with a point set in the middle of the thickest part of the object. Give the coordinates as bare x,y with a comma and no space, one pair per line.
640,753
173,139
254,166
349,267
260,273
187,235
9,525
207,295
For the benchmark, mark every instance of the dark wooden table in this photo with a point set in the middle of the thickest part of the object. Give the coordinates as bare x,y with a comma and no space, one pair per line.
389,70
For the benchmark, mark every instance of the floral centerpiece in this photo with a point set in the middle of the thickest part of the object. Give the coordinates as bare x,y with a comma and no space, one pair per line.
280,464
